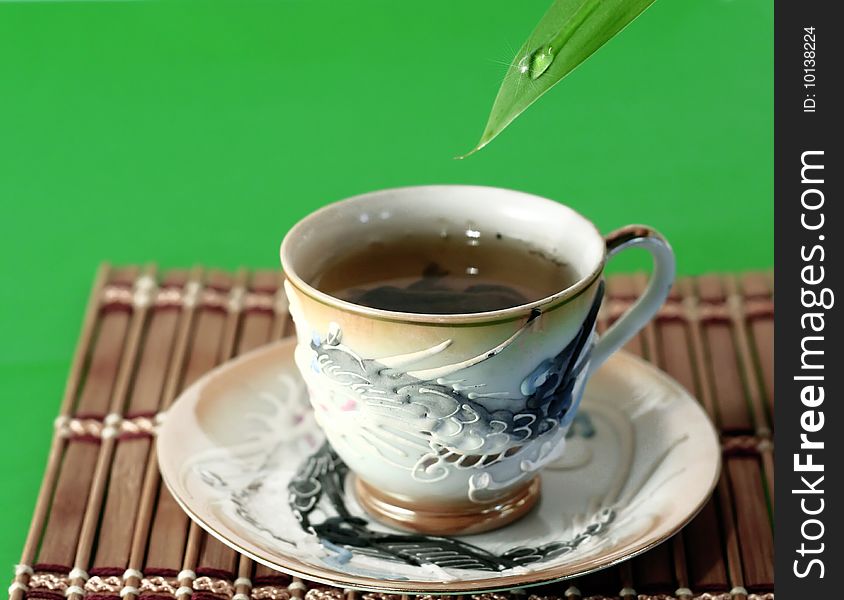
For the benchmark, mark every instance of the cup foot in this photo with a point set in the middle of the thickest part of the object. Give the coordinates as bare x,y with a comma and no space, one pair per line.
437,520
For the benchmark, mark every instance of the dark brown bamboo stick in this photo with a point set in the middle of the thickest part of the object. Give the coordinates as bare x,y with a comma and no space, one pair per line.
236,296
740,511
262,309
692,314
51,472
705,559
758,292
681,569
753,525
737,306
759,305
746,477
708,312
752,488
728,387
169,528
62,531
733,554
133,445
142,294
264,577
188,301
674,350
747,365
112,572
625,577
600,583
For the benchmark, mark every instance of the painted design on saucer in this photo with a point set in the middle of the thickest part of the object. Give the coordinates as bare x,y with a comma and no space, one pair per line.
318,488
431,422
640,459
335,529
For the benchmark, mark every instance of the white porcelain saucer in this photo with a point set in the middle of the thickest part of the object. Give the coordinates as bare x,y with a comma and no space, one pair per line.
241,453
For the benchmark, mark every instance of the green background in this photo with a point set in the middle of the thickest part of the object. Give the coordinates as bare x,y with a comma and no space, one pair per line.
198,132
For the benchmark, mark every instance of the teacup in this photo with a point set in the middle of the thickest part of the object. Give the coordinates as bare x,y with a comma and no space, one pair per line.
446,420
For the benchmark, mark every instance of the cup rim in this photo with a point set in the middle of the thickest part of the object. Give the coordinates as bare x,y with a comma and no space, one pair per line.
549,302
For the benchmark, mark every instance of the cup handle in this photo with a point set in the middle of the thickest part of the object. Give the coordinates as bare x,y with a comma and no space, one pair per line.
637,236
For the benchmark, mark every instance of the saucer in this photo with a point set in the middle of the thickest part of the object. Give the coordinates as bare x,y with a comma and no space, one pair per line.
241,453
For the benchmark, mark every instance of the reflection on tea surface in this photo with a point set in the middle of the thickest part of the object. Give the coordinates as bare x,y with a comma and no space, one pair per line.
448,274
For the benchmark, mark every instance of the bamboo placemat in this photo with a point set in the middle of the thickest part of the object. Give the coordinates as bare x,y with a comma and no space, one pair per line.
105,528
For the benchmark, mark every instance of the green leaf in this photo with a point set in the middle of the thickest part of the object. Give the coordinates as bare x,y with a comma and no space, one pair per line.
569,33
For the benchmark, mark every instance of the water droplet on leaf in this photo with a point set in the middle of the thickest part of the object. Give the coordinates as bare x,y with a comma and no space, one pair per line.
537,62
